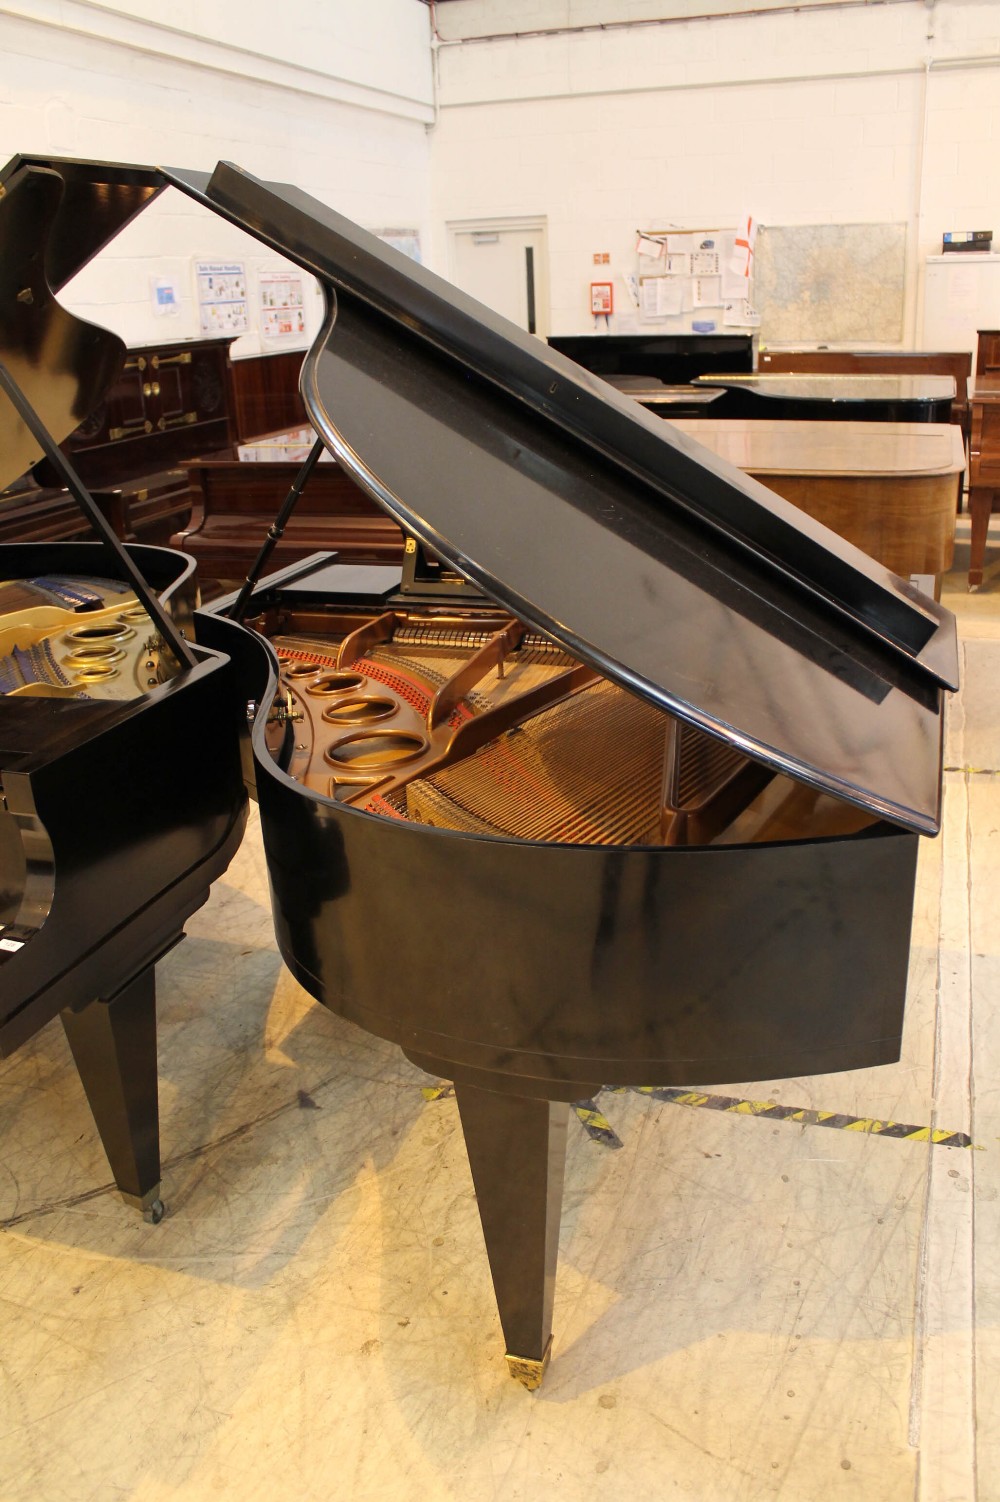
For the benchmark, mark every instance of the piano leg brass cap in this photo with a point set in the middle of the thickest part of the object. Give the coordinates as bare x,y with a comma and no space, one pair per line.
527,1370
149,1203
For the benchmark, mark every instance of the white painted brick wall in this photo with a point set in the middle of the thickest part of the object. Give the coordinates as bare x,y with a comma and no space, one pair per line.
68,94
601,132
816,117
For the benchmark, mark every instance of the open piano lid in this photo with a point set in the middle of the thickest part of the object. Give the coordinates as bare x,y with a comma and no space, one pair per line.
662,566
97,200
54,217
668,570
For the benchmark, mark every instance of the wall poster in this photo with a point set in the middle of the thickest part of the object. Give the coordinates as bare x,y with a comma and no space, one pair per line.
282,305
222,297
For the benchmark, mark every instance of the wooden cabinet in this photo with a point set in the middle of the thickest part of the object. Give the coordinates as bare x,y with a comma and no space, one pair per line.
265,394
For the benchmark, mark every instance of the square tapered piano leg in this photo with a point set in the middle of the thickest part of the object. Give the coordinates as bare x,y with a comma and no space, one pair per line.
114,1047
517,1152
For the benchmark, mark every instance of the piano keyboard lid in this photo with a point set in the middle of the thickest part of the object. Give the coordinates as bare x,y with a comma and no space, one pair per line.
665,568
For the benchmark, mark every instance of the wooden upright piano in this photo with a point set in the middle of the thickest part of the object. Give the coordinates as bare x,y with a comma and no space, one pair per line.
168,402
236,493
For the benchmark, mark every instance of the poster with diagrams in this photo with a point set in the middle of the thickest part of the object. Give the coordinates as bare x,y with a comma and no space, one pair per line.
282,305
222,297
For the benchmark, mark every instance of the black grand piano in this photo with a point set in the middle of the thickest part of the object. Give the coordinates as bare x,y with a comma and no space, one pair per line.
110,832
620,779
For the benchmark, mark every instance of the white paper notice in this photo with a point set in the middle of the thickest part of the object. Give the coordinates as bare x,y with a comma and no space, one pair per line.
662,296
631,287
705,261
165,296
678,265
653,250
282,311
962,289
734,283
708,291
741,314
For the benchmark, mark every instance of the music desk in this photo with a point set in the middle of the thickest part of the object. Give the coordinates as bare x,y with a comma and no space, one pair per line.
890,488
984,466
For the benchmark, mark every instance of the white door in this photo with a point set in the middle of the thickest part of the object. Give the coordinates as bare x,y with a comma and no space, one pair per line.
504,263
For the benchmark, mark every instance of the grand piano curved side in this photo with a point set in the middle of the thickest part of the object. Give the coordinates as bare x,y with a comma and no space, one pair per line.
111,831
632,625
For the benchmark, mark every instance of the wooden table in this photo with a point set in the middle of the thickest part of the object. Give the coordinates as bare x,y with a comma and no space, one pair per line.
889,488
984,466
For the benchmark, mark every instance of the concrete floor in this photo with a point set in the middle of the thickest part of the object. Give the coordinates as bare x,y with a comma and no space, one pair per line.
745,1308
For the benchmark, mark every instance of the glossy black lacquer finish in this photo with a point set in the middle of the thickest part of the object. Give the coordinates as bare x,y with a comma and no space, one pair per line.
663,357
531,973
833,398
111,836
62,365
110,830
632,966
729,646
98,200
777,538
137,830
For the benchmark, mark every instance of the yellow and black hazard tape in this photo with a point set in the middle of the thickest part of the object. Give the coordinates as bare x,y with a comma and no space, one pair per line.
595,1124
599,1129
438,1092
805,1116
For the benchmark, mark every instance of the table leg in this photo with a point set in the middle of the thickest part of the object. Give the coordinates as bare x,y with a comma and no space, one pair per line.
980,506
